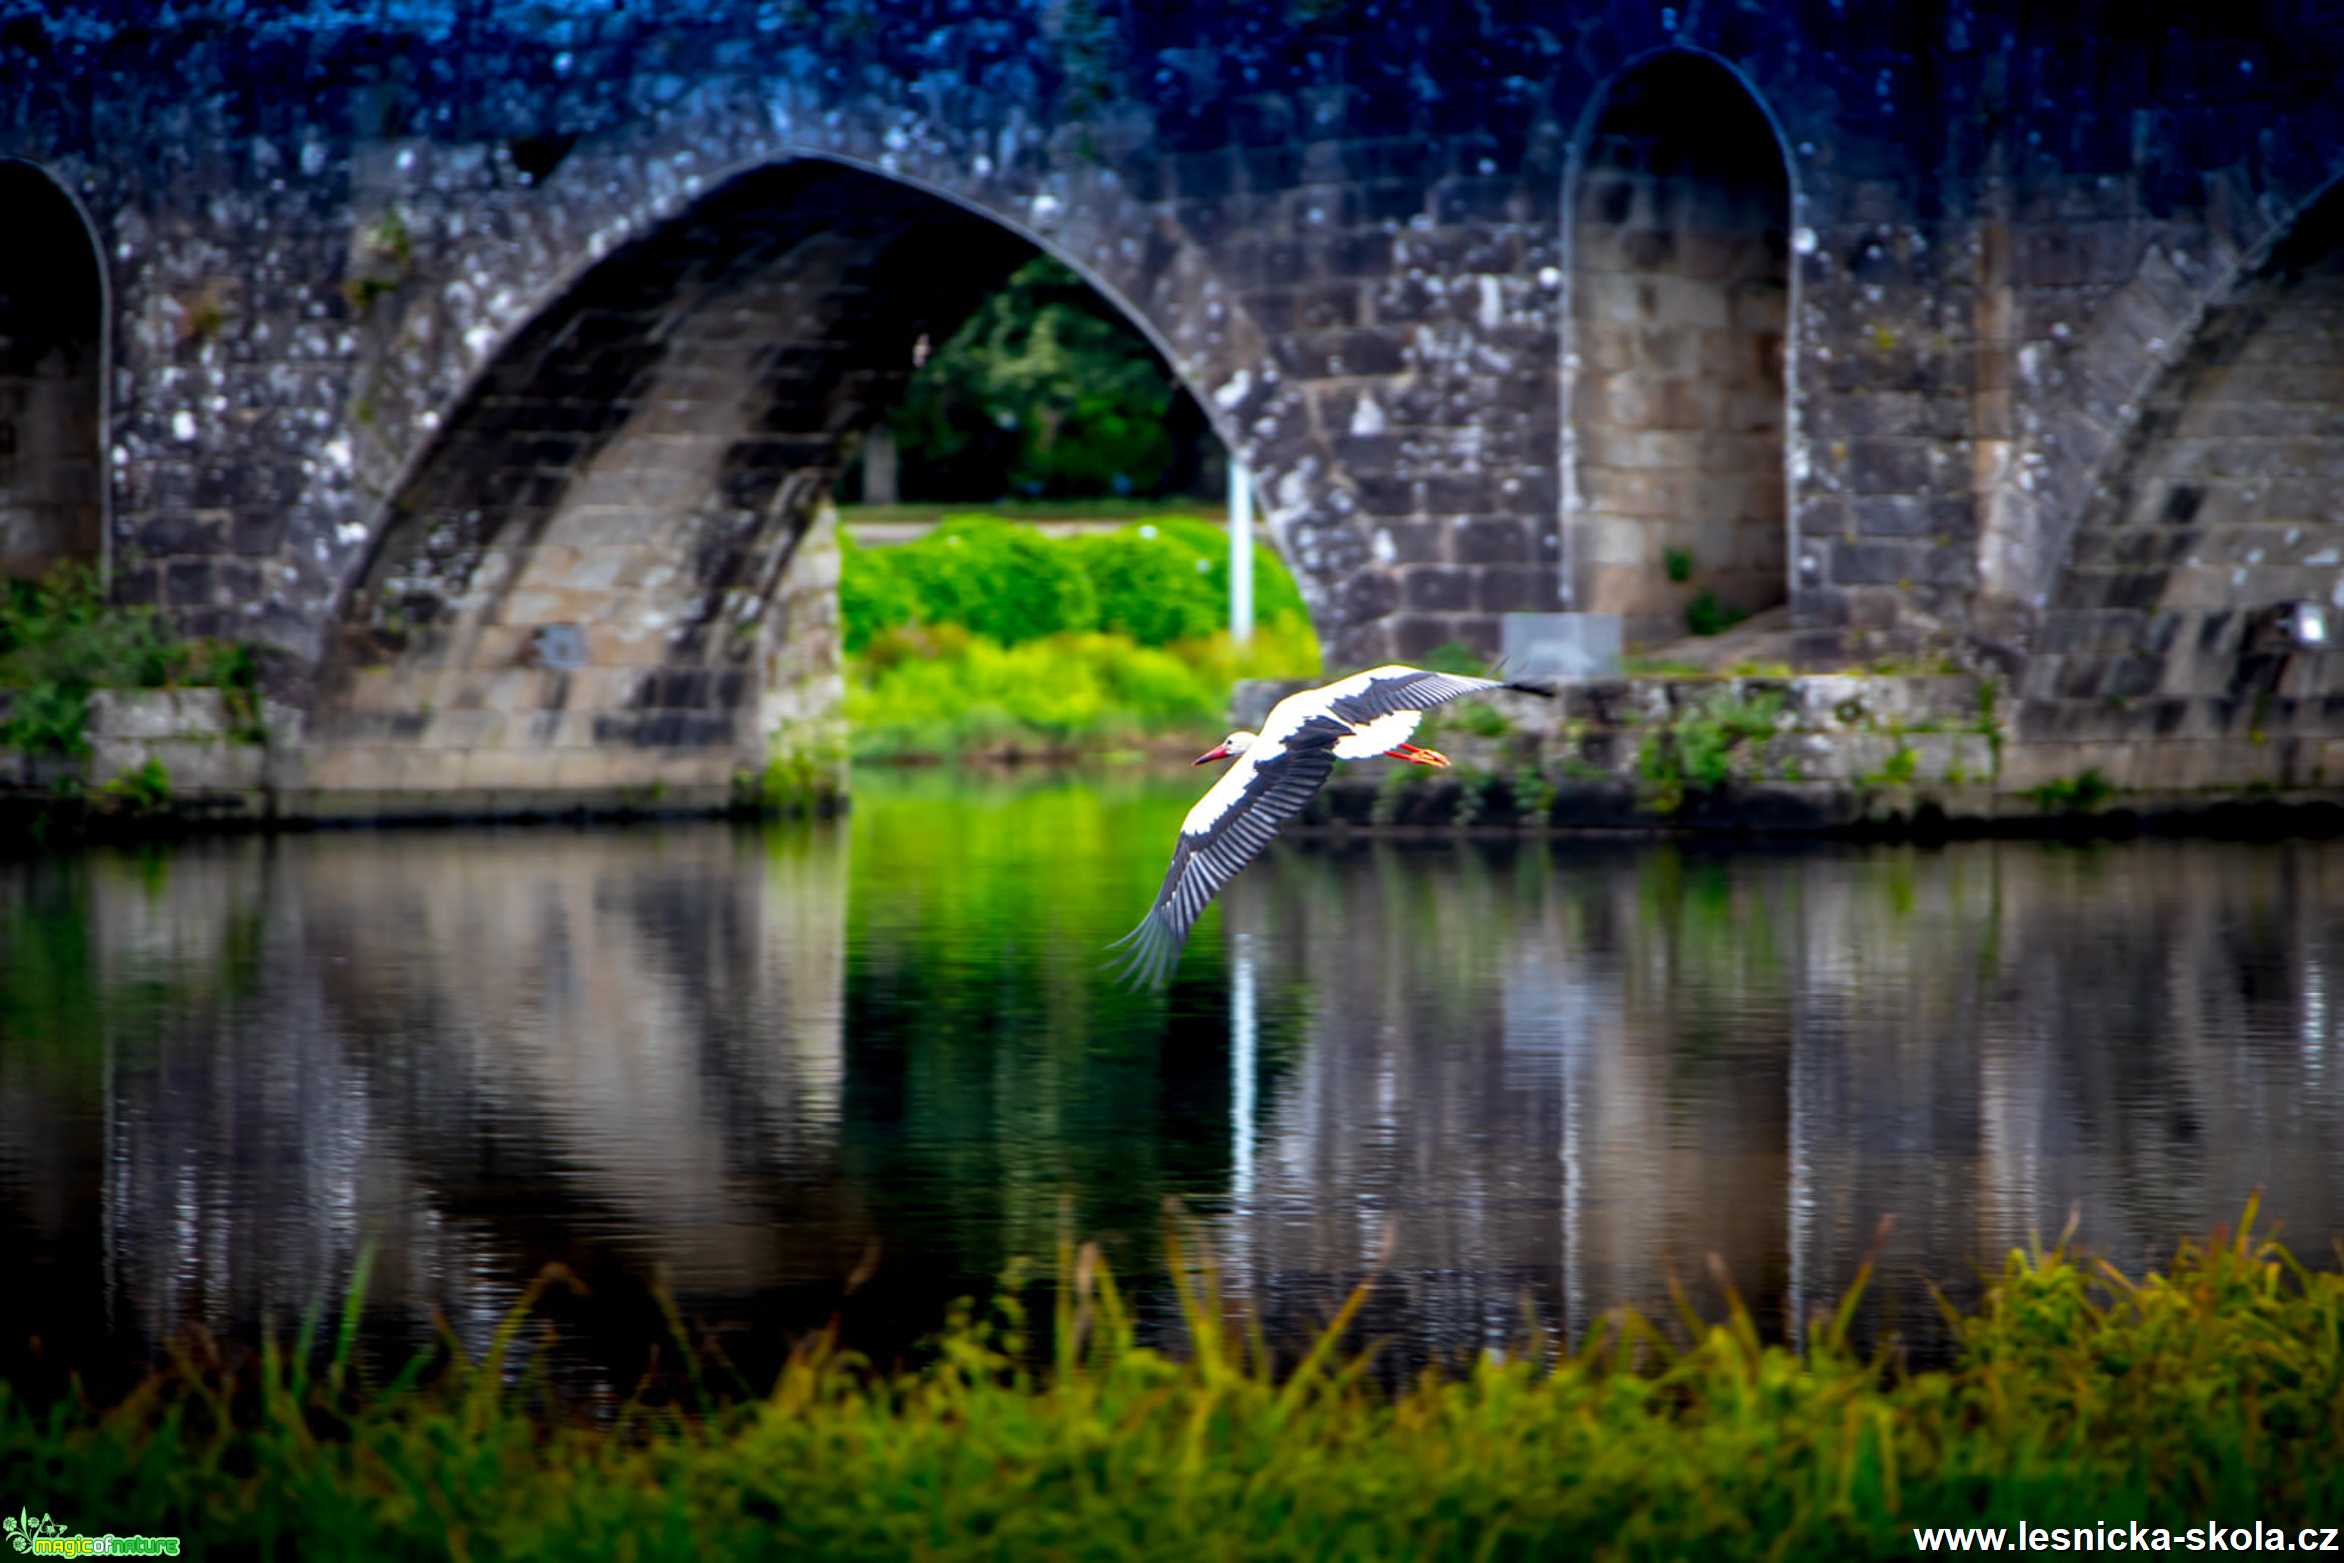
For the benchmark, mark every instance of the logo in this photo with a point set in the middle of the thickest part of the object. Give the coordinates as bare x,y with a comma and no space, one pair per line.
45,1537
23,1530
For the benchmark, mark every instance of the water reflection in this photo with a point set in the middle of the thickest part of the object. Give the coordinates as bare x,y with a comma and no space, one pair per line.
740,1062
1557,1077
477,1054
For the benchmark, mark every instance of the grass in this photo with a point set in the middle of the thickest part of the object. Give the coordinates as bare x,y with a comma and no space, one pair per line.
2213,1390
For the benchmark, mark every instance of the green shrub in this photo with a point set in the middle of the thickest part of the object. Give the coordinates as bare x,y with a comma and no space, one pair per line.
1156,581
2073,795
1152,586
1697,752
146,790
937,690
60,639
1002,581
1706,615
874,594
1275,596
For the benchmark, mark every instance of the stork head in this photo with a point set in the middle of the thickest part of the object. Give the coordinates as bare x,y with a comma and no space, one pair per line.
1235,744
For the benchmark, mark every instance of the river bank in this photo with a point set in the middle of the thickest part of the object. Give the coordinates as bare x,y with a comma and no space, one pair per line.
2206,1393
1871,755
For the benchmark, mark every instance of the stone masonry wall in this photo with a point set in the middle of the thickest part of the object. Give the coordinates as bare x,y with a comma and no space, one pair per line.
593,556
2227,505
1679,300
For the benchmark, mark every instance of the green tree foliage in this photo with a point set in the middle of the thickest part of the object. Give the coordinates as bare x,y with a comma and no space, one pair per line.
1045,390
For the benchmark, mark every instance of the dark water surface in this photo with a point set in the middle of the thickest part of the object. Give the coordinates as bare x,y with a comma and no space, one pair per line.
748,1061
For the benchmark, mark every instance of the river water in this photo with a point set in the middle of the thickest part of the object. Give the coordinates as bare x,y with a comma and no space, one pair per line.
849,1069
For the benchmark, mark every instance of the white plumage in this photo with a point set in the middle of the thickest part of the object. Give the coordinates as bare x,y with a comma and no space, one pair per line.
1276,772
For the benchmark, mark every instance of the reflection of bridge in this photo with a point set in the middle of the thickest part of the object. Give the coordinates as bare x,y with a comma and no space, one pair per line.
494,368
626,1052
1634,1072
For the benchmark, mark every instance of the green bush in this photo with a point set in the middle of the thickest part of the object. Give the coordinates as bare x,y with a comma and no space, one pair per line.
1156,581
1706,615
1151,586
1004,582
937,690
60,639
874,593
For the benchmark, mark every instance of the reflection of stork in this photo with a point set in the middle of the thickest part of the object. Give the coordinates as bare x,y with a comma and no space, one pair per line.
1277,771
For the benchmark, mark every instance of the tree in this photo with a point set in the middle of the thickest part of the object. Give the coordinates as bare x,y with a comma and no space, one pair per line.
1046,392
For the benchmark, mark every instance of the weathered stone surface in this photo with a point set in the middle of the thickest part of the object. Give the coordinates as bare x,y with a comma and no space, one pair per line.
136,715
214,763
517,318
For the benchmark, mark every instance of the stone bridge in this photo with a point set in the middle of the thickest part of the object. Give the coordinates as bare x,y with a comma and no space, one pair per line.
490,364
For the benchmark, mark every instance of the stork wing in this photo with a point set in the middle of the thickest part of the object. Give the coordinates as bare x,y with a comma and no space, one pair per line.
1255,797
1363,697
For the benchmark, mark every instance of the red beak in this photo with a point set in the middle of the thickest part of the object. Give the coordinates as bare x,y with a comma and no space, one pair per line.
1219,752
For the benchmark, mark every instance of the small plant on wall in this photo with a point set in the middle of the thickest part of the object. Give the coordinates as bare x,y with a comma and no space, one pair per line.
1705,614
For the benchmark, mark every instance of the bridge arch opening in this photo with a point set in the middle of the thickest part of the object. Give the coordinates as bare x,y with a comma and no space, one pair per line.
613,566
52,378
1680,291
2224,507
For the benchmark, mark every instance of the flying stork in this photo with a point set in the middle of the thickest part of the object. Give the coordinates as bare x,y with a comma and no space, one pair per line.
1277,770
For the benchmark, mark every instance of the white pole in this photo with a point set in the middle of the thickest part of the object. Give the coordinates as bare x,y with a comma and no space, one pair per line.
1240,551
1244,1050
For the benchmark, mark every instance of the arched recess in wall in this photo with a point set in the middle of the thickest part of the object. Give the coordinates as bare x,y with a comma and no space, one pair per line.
602,547
52,378
1680,293
2225,501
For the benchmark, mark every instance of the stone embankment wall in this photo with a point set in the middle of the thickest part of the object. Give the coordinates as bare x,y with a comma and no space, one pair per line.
1823,752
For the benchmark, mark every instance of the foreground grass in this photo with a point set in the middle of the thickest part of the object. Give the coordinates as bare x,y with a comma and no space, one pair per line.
2213,1390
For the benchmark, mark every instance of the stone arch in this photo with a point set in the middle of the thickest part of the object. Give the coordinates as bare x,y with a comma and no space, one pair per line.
1676,400
53,333
606,567
2221,503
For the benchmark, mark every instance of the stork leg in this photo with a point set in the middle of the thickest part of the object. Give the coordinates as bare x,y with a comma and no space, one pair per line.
1415,756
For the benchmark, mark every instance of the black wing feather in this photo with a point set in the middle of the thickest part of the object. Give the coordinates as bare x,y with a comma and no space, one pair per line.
1418,690
1201,865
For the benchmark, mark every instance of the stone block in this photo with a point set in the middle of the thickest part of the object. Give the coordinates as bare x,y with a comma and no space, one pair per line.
193,765
1561,646
1437,588
142,714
